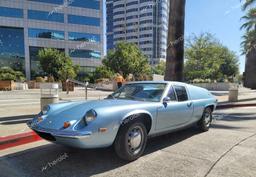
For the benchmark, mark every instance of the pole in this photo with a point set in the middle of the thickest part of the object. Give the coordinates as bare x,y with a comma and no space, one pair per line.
85,87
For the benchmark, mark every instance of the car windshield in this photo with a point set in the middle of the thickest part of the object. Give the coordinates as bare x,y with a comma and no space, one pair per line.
140,91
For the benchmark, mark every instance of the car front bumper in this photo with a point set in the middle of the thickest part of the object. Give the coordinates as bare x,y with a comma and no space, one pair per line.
78,139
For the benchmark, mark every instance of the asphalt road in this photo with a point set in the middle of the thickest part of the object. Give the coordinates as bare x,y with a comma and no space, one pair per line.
228,149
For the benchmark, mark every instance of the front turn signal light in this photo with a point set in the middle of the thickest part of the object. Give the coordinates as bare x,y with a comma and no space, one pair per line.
66,124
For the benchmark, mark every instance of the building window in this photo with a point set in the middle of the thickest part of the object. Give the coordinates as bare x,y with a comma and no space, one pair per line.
74,36
12,50
77,53
45,16
45,33
11,12
92,4
50,1
83,20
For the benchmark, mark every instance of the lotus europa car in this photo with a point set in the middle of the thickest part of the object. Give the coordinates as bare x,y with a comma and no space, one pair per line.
126,118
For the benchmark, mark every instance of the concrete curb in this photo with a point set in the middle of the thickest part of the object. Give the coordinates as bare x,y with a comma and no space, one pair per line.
235,105
19,139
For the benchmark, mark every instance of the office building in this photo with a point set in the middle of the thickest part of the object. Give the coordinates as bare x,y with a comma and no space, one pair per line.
72,26
143,22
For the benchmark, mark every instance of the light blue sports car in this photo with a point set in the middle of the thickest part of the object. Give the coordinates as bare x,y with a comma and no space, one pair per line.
126,118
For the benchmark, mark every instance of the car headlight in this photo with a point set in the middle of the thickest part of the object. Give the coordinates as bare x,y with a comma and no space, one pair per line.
45,110
90,115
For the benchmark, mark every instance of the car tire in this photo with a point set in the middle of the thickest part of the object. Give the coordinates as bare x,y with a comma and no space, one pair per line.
206,120
131,140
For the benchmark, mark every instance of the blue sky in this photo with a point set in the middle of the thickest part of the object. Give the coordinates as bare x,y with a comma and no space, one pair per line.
219,17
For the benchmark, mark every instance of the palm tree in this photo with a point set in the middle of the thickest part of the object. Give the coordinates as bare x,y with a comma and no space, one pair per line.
250,20
249,42
175,47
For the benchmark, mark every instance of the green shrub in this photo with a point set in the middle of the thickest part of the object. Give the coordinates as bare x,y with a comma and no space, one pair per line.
39,79
7,73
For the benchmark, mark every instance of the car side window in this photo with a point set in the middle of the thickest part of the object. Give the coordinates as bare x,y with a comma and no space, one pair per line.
171,94
181,93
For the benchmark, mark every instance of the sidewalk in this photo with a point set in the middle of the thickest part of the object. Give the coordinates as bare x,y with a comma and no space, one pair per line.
246,97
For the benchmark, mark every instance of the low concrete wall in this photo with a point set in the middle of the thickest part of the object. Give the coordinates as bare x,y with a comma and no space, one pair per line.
7,85
106,85
216,86
21,86
157,77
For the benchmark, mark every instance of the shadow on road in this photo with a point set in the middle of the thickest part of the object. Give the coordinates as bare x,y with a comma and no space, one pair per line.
236,116
78,162
220,126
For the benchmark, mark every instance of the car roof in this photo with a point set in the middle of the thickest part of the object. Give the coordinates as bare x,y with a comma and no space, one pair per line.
156,82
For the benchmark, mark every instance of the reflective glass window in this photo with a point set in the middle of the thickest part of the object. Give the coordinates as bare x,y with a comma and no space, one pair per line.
45,16
49,1
77,53
11,12
83,20
75,36
92,4
12,52
45,33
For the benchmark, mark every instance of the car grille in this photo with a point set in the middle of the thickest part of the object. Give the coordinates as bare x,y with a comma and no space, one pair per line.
46,136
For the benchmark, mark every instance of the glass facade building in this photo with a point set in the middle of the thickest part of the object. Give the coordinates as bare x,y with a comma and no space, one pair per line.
71,26
143,22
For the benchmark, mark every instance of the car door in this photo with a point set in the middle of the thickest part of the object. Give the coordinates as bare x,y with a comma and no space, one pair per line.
177,111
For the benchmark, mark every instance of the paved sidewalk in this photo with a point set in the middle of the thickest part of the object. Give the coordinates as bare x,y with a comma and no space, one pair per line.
244,96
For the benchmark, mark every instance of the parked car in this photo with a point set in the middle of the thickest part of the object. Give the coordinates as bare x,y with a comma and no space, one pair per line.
126,118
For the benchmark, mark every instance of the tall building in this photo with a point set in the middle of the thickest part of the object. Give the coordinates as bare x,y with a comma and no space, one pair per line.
72,26
143,22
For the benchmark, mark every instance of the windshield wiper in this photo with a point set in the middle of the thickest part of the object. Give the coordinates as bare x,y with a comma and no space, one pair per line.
111,96
131,97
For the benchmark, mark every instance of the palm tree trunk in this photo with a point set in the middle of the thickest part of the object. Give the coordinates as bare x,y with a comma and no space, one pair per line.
175,44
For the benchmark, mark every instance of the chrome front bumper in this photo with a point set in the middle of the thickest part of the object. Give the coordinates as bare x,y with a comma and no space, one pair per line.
60,133
78,139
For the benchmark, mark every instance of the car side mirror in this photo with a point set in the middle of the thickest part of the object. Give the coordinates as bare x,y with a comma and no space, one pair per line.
166,99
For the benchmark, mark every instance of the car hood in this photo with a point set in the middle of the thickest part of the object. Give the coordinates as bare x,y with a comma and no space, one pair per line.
75,111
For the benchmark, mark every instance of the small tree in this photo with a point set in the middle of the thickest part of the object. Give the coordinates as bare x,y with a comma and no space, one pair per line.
57,64
207,58
127,59
160,68
103,72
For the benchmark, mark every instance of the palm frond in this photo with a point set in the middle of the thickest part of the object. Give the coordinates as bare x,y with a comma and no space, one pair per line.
247,4
250,20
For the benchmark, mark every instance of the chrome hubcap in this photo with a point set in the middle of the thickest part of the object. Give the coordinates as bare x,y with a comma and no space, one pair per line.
207,119
135,139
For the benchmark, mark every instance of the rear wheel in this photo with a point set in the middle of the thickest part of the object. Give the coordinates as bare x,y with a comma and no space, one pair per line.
131,140
206,120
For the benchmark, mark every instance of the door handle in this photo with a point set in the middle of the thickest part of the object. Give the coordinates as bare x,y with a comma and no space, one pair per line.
189,104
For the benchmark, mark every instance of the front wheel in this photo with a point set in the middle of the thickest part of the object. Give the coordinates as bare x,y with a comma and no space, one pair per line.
131,140
206,120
